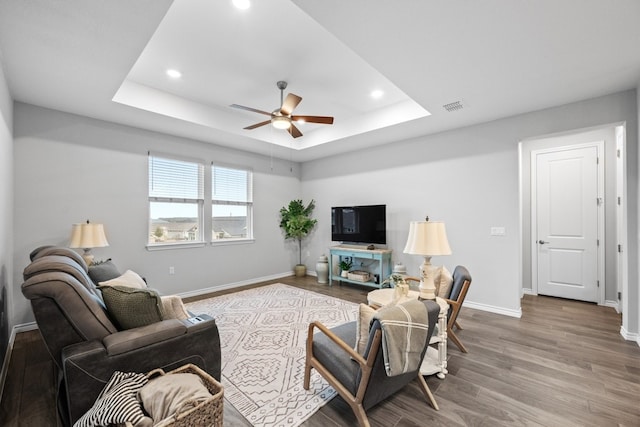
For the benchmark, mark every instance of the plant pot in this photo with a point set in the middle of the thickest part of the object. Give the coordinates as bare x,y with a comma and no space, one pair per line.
300,270
344,273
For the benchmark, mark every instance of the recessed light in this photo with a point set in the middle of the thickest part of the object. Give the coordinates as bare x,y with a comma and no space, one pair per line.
301,121
242,4
377,94
174,74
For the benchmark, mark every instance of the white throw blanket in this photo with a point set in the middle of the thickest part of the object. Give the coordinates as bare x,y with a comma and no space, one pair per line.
404,335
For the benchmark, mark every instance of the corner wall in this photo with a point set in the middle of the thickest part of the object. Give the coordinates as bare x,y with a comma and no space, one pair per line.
635,286
70,168
468,178
6,215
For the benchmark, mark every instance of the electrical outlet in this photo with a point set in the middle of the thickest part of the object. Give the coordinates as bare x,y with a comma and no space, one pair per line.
172,270
497,231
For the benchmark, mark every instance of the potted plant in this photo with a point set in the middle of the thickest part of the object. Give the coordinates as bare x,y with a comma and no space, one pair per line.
345,266
400,286
394,280
297,223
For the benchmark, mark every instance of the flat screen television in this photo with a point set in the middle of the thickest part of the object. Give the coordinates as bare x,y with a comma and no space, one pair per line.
359,224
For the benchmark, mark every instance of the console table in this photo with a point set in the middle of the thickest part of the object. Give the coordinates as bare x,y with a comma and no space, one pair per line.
382,256
435,361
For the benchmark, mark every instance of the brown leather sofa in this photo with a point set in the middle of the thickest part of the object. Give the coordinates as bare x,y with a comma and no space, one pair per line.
85,342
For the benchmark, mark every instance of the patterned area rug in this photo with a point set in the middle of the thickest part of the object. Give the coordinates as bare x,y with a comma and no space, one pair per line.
263,333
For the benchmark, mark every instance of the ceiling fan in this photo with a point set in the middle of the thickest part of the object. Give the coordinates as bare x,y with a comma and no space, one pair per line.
281,118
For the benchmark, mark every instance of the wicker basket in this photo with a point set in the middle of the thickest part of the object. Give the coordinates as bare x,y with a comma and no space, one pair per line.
359,275
207,413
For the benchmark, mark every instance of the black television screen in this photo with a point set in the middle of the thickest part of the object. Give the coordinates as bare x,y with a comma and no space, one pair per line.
359,224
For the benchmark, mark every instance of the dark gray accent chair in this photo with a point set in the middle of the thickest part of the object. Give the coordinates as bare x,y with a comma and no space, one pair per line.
459,289
362,381
85,343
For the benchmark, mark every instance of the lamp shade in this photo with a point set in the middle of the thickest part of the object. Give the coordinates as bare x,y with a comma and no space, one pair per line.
427,238
88,235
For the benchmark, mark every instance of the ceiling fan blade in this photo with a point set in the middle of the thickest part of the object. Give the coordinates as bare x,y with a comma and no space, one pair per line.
242,107
314,119
257,125
294,131
290,102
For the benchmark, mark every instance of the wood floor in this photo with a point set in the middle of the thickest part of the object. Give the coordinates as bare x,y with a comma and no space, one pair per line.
563,363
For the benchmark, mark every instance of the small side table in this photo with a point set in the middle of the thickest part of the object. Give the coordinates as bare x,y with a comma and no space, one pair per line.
435,361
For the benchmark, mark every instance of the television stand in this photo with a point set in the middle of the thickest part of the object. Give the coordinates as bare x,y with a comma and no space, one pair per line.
383,256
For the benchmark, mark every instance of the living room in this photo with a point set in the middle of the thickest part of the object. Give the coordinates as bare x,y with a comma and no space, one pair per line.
60,168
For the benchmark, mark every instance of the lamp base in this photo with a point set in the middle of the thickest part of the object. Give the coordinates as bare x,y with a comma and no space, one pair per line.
87,256
427,286
426,292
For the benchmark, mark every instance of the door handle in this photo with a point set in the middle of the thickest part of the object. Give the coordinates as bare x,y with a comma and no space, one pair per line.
542,242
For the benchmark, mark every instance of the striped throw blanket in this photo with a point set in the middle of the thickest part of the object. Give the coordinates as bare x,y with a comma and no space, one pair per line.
404,335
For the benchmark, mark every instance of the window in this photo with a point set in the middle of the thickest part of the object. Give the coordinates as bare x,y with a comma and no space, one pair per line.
176,200
231,203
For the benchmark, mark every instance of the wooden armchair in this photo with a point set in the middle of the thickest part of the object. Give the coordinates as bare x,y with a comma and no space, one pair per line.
455,298
361,380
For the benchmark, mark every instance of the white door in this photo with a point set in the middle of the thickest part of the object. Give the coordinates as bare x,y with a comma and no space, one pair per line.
566,212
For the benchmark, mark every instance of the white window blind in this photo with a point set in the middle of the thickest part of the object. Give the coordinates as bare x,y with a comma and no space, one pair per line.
232,203
231,185
176,201
171,179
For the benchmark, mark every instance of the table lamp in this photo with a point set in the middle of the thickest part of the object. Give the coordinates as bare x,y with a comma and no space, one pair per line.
427,238
87,236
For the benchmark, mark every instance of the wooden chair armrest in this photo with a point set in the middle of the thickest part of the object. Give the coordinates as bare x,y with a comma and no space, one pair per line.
452,302
333,337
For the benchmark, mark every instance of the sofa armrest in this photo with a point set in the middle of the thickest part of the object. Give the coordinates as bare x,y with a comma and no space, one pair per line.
133,339
169,344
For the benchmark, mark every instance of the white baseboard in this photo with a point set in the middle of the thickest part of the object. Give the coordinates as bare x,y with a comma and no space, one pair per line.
613,304
629,336
7,357
527,291
493,309
226,286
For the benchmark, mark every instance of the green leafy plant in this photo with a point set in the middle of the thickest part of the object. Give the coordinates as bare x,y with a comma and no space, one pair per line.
395,279
297,223
345,265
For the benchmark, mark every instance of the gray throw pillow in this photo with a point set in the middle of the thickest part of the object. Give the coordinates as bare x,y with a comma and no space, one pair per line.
103,271
130,307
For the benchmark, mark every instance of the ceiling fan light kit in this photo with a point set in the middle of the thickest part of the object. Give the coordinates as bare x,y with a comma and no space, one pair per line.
281,122
282,118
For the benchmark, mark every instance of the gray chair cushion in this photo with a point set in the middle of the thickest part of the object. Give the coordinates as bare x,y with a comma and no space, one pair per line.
460,274
336,360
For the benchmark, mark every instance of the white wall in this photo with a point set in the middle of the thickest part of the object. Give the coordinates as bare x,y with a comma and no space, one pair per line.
70,168
634,291
6,214
468,178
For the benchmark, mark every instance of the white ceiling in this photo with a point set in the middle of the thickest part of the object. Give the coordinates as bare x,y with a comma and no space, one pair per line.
107,60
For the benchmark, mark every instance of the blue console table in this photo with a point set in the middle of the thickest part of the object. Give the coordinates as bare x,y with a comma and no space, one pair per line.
382,256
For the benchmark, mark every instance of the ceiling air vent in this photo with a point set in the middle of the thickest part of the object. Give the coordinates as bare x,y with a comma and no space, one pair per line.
453,106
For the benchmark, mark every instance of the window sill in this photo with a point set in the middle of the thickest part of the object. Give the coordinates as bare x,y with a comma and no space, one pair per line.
167,246
225,242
